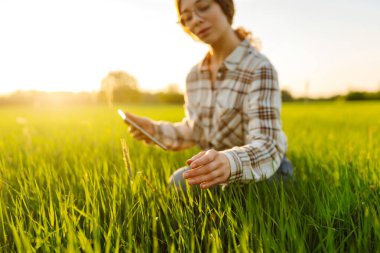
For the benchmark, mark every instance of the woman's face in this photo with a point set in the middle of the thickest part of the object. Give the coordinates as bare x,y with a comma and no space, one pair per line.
204,18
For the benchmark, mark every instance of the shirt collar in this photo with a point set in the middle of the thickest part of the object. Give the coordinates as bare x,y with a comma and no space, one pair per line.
233,59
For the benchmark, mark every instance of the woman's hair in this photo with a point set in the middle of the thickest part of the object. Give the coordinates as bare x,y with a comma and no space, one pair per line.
228,9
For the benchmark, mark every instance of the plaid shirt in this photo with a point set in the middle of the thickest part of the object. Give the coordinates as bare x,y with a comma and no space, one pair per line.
239,115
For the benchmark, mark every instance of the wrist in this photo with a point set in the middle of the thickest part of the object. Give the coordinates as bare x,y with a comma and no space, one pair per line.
233,161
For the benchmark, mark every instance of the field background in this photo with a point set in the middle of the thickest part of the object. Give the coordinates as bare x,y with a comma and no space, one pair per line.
64,186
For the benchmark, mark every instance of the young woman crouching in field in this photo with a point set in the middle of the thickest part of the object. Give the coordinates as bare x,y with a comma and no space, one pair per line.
232,105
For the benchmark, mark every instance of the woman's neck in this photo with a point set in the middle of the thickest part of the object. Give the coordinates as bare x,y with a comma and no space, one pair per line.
224,46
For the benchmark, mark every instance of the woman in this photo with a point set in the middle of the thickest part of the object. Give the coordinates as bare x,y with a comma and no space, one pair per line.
232,105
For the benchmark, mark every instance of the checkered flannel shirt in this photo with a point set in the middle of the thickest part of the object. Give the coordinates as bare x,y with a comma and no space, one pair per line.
239,115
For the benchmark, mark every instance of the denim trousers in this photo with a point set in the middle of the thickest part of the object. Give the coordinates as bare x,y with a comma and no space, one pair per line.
284,173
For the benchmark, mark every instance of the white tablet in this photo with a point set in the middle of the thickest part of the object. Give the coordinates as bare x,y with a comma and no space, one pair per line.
142,130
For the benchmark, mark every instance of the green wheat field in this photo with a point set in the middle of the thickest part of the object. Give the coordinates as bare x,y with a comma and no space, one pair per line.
72,179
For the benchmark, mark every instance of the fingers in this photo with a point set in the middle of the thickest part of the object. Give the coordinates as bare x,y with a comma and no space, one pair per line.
136,119
144,123
131,116
208,156
208,169
215,181
200,154
206,177
141,121
134,131
138,135
202,170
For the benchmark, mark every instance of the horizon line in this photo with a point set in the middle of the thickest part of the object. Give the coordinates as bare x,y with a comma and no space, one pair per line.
315,96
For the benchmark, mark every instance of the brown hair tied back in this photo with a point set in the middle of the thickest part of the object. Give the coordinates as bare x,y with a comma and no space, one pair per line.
228,9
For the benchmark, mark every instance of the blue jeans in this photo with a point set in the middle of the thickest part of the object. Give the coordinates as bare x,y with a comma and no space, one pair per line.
284,173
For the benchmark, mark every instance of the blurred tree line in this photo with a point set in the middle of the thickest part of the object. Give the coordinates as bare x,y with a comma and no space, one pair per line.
361,95
350,96
119,87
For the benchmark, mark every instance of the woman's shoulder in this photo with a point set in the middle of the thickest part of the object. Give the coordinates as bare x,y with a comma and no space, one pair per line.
255,60
193,74
196,71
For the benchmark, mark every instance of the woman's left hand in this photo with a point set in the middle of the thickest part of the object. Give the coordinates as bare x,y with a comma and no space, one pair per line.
208,168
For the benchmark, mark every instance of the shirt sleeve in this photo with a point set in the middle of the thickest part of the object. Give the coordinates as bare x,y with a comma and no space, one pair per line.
266,144
176,136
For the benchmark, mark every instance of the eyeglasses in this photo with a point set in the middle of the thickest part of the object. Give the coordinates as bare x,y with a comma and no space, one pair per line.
201,9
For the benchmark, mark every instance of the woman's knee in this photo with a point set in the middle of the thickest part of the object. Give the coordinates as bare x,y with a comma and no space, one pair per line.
176,179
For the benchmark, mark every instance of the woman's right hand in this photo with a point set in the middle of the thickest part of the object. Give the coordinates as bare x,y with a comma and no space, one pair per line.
144,123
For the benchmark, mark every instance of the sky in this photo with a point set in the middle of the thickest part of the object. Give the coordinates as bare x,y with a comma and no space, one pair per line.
319,48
